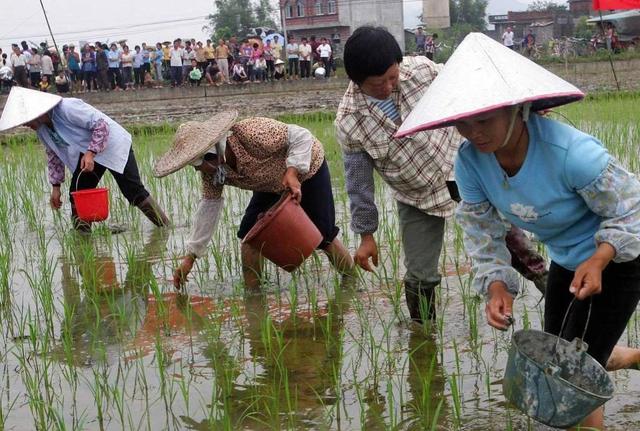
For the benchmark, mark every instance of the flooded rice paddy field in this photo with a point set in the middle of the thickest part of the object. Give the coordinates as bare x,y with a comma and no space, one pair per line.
94,336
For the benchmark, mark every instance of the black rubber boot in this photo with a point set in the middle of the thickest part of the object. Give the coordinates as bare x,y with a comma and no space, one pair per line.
153,212
420,301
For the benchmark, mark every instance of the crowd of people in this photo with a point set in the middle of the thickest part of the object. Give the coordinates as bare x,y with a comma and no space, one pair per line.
118,67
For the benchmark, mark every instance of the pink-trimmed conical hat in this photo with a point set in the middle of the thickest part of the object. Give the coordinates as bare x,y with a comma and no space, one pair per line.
483,75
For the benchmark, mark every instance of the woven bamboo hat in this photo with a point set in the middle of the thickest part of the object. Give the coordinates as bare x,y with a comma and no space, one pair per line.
483,75
192,141
24,105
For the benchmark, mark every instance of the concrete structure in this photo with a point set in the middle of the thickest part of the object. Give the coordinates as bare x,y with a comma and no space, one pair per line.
337,19
435,14
561,23
580,8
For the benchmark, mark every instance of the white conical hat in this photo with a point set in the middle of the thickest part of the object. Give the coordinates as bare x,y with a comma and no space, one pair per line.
483,75
24,105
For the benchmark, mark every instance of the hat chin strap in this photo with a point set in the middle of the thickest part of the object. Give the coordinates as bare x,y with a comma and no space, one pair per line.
526,110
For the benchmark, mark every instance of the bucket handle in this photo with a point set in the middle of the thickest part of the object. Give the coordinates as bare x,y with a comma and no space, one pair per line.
84,170
564,321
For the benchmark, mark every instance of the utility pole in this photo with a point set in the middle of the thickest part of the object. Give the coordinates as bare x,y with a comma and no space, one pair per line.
60,56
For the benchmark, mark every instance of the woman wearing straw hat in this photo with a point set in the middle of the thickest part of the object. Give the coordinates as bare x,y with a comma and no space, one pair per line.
266,157
545,177
80,137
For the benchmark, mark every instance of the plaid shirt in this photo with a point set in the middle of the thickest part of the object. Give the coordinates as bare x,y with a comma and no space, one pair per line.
415,167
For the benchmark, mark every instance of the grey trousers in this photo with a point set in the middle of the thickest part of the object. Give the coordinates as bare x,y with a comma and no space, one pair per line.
422,235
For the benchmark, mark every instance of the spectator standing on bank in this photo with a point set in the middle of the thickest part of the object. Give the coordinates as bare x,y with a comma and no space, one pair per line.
201,56
246,52
138,67
609,36
146,59
127,66
324,50
47,66
19,64
157,61
222,58
421,39
305,59
102,67
269,59
276,48
189,54
89,67
507,38
209,52
314,46
113,57
35,67
430,46
293,58
166,59
73,64
176,54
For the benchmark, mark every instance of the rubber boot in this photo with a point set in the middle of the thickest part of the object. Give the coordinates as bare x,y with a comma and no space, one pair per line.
420,301
79,225
153,212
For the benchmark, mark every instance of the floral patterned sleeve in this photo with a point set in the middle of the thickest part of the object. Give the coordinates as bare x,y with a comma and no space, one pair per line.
484,241
99,137
55,168
615,196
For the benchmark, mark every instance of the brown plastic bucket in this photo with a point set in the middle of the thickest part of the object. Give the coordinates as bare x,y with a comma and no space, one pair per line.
284,234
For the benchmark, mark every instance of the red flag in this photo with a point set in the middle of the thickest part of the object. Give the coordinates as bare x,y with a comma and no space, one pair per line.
615,4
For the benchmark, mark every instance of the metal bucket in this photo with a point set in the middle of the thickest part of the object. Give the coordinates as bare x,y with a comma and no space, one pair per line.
554,381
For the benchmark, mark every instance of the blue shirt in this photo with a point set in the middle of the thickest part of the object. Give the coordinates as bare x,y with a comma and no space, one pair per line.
541,198
159,56
114,59
138,59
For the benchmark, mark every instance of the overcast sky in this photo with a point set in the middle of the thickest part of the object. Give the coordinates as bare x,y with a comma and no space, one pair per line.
137,20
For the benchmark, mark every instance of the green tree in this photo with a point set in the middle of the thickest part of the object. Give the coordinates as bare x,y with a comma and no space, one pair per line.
469,12
546,5
240,17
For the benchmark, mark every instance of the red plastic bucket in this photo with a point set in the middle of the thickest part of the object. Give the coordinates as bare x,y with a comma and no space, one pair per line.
91,204
284,234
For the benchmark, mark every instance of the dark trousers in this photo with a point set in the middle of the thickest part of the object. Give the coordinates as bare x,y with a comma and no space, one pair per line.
90,79
35,79
103,79
176,76
270,68
20,75
610,312
293,68
137,76
327,66
305,68
115,79
128,181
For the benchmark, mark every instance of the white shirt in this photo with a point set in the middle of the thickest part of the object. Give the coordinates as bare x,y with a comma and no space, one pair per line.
18,60
176,56
324,50
305,52
47,65
292,50
507,38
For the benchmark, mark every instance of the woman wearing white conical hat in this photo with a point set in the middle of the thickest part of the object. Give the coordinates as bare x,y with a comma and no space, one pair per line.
547,178
262,155
78,136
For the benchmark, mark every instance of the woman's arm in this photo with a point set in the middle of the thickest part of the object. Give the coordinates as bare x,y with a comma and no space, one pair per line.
484,242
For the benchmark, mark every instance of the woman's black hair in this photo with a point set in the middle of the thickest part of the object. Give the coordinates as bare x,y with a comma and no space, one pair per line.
370,51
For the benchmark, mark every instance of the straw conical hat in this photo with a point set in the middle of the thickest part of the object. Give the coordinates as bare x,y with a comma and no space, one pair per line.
483,75
24,105
192,140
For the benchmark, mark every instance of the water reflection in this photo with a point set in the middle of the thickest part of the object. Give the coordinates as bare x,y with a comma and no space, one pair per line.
99,311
